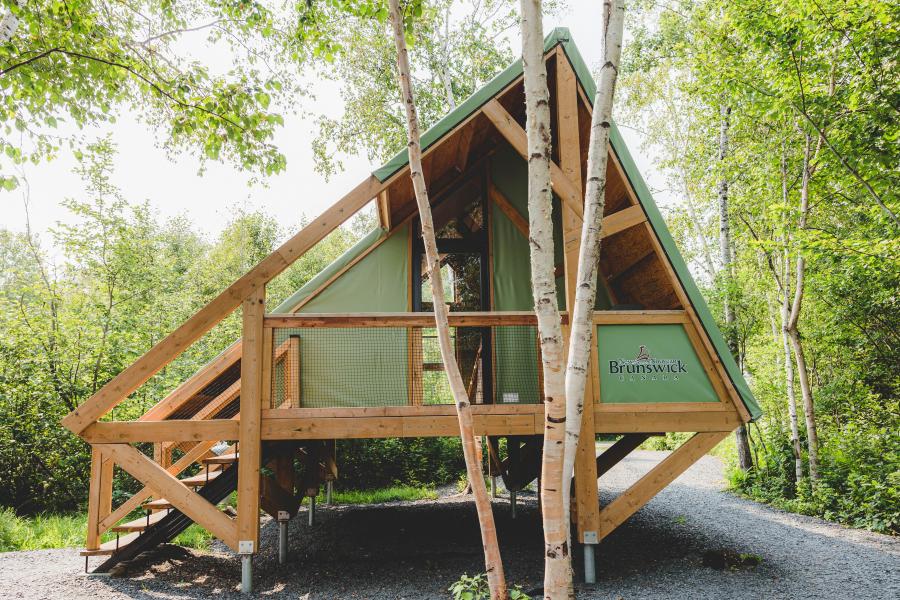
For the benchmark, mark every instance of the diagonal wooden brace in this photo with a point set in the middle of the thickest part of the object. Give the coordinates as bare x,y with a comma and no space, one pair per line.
167,486
642,491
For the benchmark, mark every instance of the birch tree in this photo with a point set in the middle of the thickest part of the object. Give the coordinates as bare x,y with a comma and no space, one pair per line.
554,508
726,253
582,328
492,561
563,390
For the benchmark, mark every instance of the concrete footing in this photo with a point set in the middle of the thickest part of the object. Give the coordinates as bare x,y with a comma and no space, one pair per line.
590,570
246,573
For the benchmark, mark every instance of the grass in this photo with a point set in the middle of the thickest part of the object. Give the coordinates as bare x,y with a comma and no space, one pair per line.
376,496
194,537
40,532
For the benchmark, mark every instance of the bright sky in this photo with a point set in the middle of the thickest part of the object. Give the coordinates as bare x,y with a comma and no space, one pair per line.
143,171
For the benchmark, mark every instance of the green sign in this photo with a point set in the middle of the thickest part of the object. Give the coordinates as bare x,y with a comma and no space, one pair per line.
650,363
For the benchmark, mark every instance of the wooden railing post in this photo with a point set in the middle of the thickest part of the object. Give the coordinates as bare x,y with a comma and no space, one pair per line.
250,422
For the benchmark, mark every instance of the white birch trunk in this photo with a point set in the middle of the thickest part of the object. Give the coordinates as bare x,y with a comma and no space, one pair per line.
812,437
582,328
492,561
554,510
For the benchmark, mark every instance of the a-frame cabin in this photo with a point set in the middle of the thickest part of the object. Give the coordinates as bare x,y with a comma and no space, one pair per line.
350,354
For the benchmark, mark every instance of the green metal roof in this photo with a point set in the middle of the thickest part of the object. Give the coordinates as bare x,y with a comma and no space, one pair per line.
561,36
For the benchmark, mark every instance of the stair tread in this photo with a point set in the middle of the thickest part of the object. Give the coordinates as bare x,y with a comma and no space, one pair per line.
200,478
140,524
222,459
112,546
159,504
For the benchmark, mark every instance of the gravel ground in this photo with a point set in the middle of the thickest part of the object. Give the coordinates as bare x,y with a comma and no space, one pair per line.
687,543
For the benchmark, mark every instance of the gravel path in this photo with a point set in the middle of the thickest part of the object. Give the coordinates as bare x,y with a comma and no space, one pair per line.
687,543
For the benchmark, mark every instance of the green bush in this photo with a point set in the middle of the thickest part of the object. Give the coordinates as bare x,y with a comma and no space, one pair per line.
368,464
859,482
476,588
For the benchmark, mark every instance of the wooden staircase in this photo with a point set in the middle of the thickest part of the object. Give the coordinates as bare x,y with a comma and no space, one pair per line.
163,522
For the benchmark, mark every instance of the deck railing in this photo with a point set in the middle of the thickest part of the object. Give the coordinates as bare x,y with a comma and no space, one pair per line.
393,359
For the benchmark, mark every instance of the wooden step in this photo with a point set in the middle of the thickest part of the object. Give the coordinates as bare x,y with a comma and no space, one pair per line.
222,459
112,546
201,478
140,524
154,505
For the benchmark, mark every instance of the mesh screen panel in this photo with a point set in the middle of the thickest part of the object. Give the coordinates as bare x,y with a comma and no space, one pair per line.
399,366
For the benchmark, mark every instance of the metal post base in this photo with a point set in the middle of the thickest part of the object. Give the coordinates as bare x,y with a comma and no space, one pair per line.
329,487
493,488
246,573
590,570
312,510
282,541
512,503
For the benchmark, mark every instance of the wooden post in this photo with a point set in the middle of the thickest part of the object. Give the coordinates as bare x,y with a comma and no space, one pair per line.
416,390
587,503
93,537
292,371
107,466
250,422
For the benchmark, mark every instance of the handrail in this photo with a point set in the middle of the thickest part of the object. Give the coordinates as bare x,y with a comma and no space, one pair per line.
400,319
460,319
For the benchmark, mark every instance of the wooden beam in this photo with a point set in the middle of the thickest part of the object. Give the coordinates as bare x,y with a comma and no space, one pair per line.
165,485
515,135
126,382
568,140
520,222
622,448
196,453
384,210
172,430
462,150
639,317
659,477
652,422
623,219
287,428
250,419
92,541
194,384
410,319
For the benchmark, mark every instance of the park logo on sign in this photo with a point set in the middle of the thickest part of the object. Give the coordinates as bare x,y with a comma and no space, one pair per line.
646,368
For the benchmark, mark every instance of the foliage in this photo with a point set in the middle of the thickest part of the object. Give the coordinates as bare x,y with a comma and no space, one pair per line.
396,493
194,537
788,72
401,461
475,587
453,57
127,279
41,531
75,64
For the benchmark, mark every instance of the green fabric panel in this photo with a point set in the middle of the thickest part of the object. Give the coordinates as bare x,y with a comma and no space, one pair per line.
377,283
325,274
650,363
360,366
